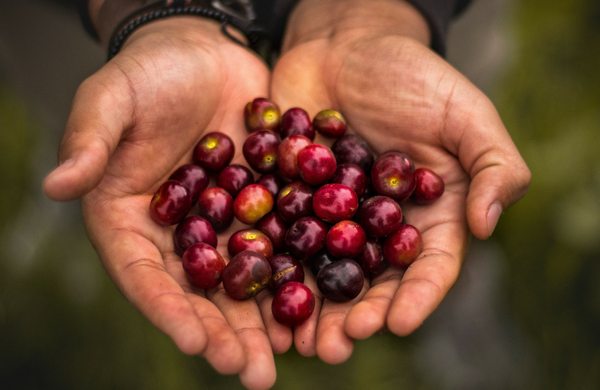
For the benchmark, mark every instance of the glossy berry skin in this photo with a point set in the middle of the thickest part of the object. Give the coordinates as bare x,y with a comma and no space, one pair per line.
233,178
341,281
284,269
246,275
294,201
261,114
321,259
351,149
194,177
393,175
260,151
252,203
316,164
193,230
330,124
306,237
250,240
214,152
429,186
379,216
346,239
403,246
274,227
272,182
296,121
371,260
334,203
369,192
171,203
352,176
203,265
287,154
216,206
293,304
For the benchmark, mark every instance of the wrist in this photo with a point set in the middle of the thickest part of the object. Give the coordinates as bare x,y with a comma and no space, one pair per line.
348,20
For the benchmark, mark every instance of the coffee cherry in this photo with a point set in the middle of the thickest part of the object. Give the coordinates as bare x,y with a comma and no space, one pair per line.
346,239
216,206
294,201
403,246
252,203
271,182
379,216
246,275
287,154
335,202
306,237
194,177
214,152
171,203
260,150
351,149
341,281
371,260
320,260
293,304
284,269
193,230
296,121
429,186
261,114
393,175
274,227
203,265
316,164
250,240
330,124
234,178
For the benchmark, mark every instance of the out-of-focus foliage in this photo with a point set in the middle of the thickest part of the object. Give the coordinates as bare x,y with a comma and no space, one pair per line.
549,100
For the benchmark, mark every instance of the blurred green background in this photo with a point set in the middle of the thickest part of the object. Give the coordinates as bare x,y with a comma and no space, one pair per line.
525,313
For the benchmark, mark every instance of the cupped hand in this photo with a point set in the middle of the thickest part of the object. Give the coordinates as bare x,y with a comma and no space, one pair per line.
131,125
398,95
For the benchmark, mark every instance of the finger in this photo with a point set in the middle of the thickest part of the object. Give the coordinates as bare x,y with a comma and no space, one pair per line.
281,336
245,319
499,175
101,110
305,334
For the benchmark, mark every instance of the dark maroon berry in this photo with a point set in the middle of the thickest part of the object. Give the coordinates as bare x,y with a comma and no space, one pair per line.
261,114
379,216
371,260
320,260
330,124
246,275
369,192
346,239
274,227
260,151
403,246
306,237
341,281
293,304
351,149
296,121
284,269
193,230
203,265
393,175
287,154
171,203
294,201
429,186
250,240
194,177
335,202
316,164
271,182
234,178
214,152
352,176
216,206
252,203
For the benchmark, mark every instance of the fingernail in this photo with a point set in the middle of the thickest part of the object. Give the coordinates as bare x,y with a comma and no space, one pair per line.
493,216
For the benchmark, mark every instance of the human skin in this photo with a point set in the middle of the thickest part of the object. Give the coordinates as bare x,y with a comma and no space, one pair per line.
131,125
370,60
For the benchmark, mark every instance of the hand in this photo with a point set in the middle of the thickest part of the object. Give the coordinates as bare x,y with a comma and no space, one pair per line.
132,124
370,60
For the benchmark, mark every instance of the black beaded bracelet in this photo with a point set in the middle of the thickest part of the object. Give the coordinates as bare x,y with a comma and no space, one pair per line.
256,36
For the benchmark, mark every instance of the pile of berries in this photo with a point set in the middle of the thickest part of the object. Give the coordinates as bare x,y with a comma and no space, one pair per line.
335,210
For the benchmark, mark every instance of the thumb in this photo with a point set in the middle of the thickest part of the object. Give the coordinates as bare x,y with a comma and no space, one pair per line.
101,110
